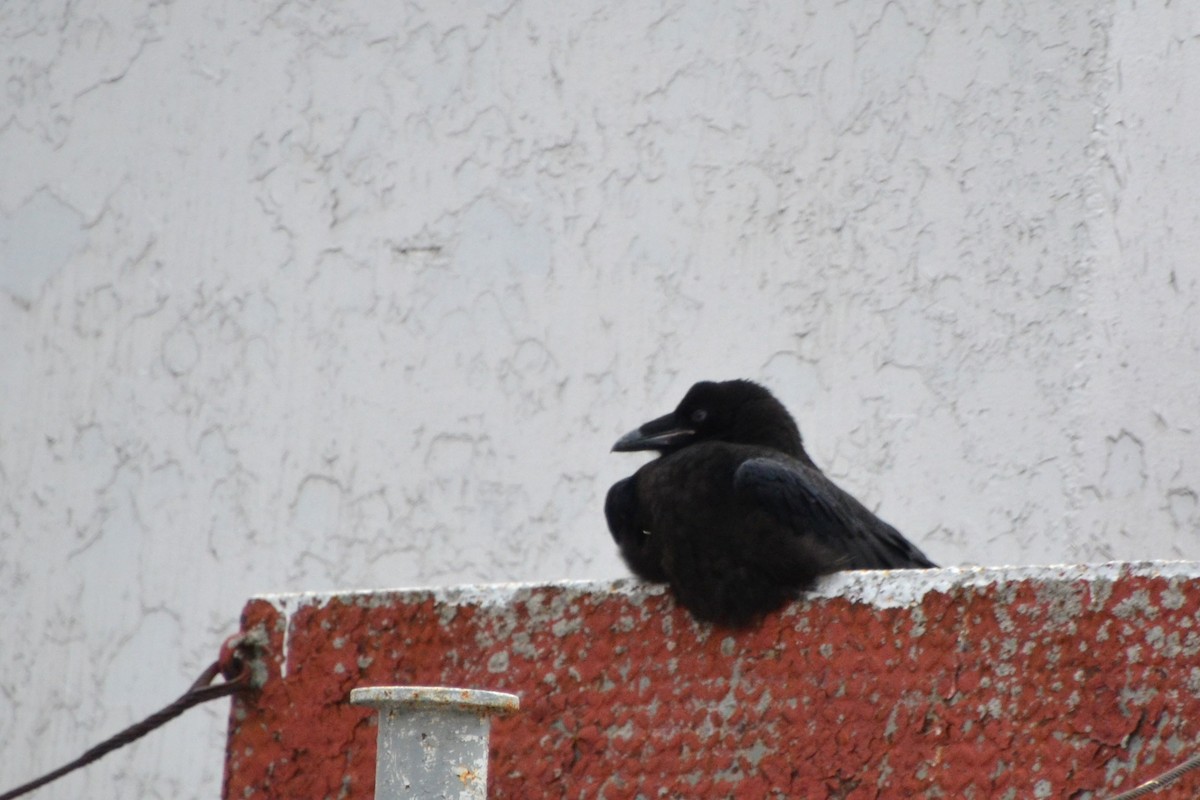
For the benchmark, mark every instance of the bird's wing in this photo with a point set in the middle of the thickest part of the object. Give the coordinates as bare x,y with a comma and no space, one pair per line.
814,505
641,551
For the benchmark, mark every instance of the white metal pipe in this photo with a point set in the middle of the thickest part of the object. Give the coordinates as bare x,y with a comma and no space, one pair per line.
433,741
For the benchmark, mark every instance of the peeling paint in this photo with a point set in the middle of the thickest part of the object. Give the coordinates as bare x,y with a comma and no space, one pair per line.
955,683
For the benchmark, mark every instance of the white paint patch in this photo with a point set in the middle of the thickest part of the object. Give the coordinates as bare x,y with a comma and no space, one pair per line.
906,588
880,588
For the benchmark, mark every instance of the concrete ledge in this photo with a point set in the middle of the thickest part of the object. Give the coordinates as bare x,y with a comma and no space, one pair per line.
1007,682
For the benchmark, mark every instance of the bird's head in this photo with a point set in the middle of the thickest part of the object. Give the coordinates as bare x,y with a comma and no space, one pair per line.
738,412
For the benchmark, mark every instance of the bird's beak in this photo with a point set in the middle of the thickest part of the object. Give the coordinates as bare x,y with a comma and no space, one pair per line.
663,433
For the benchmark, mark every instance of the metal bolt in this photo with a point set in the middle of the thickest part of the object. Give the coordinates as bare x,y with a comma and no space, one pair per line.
433,741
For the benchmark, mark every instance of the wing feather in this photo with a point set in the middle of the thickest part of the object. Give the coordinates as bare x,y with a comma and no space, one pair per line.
813,505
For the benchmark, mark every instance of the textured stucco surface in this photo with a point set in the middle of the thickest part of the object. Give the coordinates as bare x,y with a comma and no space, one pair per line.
307,296
1004,683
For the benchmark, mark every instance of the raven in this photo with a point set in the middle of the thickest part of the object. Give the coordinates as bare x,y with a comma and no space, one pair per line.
733,514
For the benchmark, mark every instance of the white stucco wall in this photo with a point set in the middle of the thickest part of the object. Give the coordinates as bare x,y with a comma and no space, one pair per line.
303,296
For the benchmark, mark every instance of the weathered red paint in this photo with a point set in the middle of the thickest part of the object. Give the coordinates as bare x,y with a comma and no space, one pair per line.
1024,687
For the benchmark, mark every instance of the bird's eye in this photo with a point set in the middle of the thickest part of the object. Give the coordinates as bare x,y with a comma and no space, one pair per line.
699,415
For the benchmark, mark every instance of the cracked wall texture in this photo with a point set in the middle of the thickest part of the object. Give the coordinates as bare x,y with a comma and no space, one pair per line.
299,296
981,684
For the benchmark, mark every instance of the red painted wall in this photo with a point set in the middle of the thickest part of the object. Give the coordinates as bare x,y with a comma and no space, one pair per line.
1036,682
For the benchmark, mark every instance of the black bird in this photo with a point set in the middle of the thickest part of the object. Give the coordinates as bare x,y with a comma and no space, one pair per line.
733,514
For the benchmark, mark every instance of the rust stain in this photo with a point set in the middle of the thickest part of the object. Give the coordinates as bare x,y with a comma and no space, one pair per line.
1026,688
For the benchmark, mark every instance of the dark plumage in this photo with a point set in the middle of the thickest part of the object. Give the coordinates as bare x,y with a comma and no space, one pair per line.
733,514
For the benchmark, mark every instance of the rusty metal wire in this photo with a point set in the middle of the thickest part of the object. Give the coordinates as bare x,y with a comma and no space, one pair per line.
199,692
1154,784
